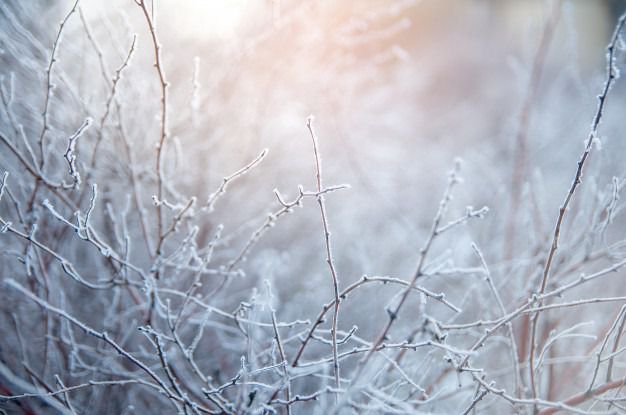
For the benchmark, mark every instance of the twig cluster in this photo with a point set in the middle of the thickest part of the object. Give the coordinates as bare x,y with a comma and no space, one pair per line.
113,292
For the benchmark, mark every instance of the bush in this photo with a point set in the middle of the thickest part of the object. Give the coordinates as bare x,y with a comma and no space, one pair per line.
140,273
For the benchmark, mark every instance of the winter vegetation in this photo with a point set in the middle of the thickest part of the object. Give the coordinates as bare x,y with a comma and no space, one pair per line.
286,207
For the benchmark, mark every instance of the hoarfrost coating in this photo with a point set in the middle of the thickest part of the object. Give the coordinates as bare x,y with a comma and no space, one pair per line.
153,155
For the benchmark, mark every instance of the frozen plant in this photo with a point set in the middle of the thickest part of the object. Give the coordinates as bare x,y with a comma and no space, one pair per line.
176,234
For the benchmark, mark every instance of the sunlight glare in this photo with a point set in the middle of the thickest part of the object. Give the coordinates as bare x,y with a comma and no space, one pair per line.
206,18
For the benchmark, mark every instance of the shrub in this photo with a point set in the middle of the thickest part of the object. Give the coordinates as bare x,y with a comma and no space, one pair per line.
137,280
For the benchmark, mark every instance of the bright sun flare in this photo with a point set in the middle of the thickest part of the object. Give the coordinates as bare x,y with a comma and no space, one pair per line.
201,18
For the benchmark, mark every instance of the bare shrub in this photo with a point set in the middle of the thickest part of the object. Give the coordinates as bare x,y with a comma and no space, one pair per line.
141,274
